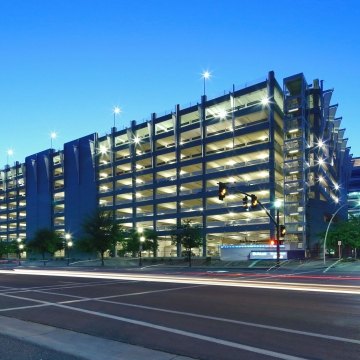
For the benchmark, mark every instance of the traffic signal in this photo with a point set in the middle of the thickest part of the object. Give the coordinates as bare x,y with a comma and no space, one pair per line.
223,190
282,230
254,201
245,202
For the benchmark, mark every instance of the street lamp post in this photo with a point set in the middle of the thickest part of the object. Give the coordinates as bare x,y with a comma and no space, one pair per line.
116,111
142,239
206,75
69,245
328,227
53,136
9,153
20,247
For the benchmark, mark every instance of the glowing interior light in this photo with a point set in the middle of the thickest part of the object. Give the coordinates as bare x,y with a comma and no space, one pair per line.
320,143
321,161
222,114
103,149
264,101
321,179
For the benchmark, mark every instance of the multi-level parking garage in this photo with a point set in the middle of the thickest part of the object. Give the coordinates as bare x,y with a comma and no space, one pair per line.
282,143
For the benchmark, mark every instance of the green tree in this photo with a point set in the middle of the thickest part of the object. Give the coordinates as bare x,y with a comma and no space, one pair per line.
188,236
348,232
101,233
132,243
151,242
8,247
45,241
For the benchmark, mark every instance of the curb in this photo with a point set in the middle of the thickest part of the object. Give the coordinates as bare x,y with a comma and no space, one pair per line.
78,344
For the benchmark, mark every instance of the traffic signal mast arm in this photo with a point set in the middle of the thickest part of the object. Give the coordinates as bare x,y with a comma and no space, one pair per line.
280,229
251,196
224,191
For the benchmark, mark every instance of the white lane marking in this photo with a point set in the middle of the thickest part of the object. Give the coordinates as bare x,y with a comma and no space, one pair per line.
176,331
80,298
132,294
238,322
60,287
23,307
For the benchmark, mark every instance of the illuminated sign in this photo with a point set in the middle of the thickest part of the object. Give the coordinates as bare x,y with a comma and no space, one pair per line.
267,255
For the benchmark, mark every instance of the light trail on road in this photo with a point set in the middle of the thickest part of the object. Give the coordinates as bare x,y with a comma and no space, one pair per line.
307,287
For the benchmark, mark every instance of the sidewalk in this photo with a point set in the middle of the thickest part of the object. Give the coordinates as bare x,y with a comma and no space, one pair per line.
76,344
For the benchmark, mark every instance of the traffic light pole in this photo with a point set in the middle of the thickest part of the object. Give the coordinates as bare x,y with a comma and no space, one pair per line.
277,237
223,191
277,225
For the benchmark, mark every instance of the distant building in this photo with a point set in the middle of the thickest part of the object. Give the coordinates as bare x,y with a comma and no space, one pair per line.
278,142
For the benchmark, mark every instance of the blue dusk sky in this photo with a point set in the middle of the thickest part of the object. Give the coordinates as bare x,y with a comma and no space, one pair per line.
65,64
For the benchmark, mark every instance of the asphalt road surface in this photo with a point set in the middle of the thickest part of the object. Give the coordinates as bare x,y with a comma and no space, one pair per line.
208,316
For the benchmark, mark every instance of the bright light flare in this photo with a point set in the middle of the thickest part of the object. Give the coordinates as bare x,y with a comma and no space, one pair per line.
117,110
265,101
103,149
321,144
321,161
222,114
206,74
53,135
10,152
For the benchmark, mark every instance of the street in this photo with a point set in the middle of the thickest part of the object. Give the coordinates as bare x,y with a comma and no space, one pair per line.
199,315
